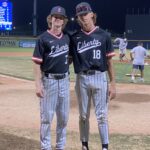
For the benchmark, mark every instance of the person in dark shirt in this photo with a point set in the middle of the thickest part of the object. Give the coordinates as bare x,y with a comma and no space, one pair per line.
92,52
52,79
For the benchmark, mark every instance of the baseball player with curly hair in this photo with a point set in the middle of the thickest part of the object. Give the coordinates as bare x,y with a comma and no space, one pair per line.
52,78
92,54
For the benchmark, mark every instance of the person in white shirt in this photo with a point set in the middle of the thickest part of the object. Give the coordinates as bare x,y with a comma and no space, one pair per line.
122,47
137,56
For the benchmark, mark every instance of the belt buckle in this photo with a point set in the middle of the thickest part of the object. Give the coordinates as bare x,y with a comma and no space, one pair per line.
46,75
89,72
61,76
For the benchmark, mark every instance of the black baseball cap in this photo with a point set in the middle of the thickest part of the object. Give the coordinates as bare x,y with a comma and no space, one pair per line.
58,10
83,8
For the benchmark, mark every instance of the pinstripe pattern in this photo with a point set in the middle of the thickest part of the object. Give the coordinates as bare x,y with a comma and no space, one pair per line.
56,99
93,87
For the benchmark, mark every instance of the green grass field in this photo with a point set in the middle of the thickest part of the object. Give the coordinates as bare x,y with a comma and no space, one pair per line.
22,67
15,49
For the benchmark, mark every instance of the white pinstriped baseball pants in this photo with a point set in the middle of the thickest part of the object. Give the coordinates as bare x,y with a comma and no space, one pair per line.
56,99
93,87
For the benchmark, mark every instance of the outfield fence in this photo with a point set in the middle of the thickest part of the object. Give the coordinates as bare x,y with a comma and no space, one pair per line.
133,43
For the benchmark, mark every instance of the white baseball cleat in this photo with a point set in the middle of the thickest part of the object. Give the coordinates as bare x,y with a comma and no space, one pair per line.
84,148
133,81
141,80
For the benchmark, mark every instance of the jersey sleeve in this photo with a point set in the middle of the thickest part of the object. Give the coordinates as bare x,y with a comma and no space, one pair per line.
38,52
109,47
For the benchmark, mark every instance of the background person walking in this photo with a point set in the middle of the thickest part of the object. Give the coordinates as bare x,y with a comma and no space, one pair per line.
138,55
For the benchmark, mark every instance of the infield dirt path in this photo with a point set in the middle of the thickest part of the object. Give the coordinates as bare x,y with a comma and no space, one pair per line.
128,113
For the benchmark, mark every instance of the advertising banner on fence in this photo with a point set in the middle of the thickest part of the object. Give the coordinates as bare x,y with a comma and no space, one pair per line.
27,44
9,43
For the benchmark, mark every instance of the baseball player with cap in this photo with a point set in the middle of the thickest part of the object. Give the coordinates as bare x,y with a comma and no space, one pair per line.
52,79
122,47
92,53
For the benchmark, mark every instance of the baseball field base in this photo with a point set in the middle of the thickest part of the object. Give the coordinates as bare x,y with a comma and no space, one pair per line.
136,75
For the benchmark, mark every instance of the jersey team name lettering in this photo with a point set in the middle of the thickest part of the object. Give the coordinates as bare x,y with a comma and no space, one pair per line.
84,46
58,50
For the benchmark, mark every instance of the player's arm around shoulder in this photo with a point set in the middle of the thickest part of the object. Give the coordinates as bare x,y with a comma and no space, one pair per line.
111,74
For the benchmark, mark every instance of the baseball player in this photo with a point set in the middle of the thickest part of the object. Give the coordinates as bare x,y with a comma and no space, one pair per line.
52,79
122,47
138,55
92,53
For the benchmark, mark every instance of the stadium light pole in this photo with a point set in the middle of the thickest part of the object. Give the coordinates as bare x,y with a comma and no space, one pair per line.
34,17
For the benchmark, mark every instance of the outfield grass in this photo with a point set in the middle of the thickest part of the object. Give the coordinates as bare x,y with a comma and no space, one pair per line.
15,49
22,67
122,69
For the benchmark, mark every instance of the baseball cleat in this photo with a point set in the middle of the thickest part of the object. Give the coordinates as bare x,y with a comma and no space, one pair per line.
84,148
105,149
142,80
133,80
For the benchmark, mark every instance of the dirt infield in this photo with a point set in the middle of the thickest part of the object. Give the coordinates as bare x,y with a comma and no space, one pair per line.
20,122
14,54
128,113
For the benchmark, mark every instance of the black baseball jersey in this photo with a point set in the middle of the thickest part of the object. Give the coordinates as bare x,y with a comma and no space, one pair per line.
52,53
90,51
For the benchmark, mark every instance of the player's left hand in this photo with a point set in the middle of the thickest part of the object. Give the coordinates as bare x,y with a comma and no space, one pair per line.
112,91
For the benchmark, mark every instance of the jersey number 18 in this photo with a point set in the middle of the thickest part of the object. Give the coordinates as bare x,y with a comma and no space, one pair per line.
96,54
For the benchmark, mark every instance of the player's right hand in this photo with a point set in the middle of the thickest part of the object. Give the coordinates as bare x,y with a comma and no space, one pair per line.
39,91
112,91
39,94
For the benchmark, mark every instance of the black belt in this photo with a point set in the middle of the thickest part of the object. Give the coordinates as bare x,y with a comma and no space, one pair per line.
56,76
88,72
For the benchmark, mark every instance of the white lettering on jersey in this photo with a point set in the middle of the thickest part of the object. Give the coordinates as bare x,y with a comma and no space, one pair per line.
84,46
58,50
78,37
51,41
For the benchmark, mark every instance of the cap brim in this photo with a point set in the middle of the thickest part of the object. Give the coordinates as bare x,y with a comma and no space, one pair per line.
59,14
83,12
